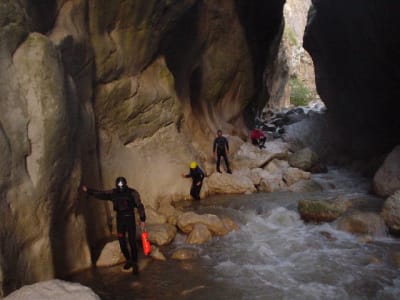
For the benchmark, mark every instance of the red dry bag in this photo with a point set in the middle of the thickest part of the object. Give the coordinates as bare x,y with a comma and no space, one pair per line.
145,243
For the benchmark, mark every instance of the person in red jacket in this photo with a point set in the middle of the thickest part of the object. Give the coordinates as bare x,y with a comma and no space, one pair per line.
124,200
258,137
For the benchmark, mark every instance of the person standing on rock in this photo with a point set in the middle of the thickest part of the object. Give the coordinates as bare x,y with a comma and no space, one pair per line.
197,176
221,149
124,200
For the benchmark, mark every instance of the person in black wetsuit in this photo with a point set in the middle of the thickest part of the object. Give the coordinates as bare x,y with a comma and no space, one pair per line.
124,200
221,148
197,176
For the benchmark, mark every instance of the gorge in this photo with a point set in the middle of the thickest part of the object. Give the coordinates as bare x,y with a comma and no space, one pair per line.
92,90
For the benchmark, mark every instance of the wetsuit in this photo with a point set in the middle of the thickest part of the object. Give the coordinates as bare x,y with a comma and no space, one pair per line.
221,145
258,138
197,176
124,201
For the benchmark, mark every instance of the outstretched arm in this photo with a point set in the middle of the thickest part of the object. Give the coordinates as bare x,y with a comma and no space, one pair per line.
102,195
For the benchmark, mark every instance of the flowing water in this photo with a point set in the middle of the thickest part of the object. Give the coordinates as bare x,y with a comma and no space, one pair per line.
274,255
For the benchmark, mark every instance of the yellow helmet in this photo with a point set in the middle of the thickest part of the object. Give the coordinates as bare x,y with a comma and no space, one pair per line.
193,165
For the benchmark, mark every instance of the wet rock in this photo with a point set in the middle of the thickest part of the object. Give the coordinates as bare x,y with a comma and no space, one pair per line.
199,235
387,179
391,212
327,235
322,210
362,223
53,289
161,234
157,254
229,184
153,217
184,254
168,210
249,156
305,186
303,159
110,255
229,224
187,221
293,175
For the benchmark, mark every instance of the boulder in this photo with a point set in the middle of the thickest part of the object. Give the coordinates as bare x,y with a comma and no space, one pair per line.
303,159
154,217
362,223
161,234
387,179
53,289
391,212
305,186
293,175
187,221
110,255
229,184
322,210
199,235
157,254
184,254
249,156
168,210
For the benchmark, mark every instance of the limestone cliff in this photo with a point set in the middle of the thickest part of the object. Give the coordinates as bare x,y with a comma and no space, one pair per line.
355,48
94,89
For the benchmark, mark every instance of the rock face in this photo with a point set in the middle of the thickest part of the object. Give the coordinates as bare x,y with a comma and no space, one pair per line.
95,89
293,63
354,45
387,179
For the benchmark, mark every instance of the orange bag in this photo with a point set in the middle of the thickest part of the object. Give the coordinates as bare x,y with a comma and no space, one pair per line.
145,243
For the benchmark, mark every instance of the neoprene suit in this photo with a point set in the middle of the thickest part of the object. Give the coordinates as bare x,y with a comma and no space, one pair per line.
124,201
221,145
197,176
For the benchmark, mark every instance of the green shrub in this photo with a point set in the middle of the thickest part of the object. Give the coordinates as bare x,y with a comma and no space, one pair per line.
300,95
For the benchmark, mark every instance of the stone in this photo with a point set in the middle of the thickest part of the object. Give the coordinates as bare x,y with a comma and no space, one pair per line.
161,234
367,223
157,254
187,221
387,179
303,159
249,156
322,210
53,289
391,212
229,184
184,254
110,255
305,186
199,235
293,175
154,217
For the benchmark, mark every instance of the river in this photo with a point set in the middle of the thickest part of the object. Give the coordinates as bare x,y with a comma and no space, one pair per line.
274,254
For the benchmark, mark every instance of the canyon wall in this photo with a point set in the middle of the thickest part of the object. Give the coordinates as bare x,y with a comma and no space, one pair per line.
91,90
355,48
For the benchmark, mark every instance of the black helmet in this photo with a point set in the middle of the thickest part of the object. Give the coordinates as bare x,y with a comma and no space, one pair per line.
120,183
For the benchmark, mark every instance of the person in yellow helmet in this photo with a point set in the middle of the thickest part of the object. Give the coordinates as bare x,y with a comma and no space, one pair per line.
197,176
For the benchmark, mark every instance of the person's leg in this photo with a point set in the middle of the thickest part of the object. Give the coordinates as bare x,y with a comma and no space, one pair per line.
121,234
195,191
228,169
218,161
131,226
262,142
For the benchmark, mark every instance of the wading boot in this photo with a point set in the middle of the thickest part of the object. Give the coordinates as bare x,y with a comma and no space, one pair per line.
127,267
135,269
